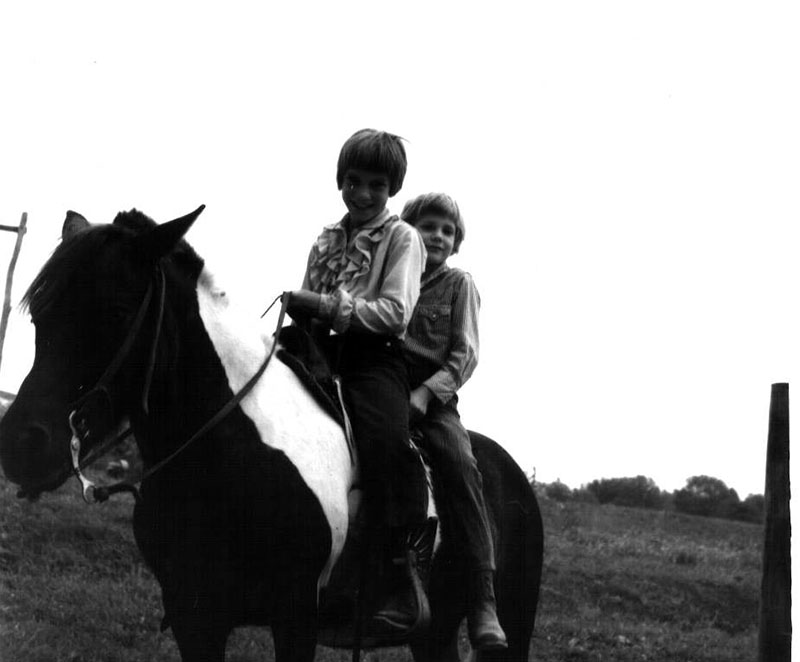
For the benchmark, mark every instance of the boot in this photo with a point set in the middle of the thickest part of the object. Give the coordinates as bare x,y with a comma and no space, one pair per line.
407,608
483,627
399,612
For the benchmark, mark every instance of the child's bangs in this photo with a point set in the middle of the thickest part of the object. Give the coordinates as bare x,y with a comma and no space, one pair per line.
375,158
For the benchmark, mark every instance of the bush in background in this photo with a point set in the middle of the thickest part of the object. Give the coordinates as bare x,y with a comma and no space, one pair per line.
558,491
703,495
637,492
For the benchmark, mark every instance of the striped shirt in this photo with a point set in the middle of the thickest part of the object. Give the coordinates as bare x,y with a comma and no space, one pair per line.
443,332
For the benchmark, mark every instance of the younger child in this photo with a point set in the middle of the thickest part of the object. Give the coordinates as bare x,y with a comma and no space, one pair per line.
360,287
442,351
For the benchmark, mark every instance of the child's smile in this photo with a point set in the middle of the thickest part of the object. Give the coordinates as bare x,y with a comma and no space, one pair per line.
365,194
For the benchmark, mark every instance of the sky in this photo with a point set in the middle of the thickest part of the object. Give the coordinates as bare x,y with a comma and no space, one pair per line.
628,174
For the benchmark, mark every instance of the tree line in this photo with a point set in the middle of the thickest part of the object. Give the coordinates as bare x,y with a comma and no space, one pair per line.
703,495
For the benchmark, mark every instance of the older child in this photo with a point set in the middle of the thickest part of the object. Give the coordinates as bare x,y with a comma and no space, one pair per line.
442,351
361,285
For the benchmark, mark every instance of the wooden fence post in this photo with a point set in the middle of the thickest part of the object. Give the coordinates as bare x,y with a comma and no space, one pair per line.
20,230
775,617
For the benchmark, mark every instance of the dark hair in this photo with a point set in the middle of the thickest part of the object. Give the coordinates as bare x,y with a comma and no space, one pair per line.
377,151
435,203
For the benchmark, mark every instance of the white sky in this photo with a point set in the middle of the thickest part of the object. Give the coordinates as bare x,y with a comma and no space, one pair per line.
628,173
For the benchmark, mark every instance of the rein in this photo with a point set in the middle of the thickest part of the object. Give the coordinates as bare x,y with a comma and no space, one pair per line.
78,419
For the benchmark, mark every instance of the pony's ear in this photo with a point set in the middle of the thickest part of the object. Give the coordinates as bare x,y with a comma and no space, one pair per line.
73,224
162,239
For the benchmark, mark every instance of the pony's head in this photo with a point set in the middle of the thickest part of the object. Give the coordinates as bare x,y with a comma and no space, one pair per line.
96,306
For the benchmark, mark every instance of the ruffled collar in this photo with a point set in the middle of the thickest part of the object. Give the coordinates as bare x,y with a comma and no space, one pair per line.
334,261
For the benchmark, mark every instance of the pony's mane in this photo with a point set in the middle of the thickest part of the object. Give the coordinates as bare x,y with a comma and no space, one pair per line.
67,265
134,220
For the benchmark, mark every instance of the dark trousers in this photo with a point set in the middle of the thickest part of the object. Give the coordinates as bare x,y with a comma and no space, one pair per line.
457,481
375,385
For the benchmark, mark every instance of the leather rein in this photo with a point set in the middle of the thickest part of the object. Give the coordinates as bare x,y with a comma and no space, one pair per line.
81,416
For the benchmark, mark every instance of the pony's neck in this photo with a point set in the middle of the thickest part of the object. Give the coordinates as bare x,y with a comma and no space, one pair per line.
240,341
219,349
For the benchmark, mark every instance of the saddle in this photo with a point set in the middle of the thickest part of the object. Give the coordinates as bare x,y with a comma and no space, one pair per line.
361,579
298,351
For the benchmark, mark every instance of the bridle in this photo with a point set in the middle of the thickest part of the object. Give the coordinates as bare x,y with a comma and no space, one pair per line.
93,413
98,401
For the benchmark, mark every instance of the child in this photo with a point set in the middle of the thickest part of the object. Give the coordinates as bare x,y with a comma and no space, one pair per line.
442,351
360,288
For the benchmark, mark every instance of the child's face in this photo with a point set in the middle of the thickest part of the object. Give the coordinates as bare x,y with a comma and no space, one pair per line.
439,236
365,194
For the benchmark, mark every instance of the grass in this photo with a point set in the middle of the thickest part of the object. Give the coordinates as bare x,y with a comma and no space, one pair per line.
629,584
619,584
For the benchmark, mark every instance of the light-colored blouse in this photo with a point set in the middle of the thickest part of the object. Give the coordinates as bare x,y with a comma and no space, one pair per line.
369,281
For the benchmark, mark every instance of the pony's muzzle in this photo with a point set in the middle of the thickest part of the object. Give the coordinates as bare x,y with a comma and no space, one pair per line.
19,457
25,453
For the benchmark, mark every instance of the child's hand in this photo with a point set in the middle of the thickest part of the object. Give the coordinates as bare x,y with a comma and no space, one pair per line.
420,398
303,304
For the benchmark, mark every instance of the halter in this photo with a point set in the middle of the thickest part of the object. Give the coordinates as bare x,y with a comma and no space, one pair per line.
98,399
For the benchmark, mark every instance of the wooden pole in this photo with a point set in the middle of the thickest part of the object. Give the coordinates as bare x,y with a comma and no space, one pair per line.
10,277
775,617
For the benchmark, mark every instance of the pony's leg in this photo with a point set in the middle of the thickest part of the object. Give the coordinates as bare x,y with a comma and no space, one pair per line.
518,627
516,611
518,582
293,643
294,630
200,644
440,650
447,596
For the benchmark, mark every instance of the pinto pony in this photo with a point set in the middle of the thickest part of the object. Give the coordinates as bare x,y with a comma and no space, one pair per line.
244,510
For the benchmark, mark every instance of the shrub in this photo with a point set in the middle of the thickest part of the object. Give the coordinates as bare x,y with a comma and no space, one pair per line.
708,497
638,492
584,495
558,491
751,509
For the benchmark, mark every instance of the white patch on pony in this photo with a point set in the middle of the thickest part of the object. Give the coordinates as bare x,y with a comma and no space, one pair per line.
286,416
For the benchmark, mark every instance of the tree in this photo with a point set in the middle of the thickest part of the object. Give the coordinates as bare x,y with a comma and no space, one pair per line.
638,492
708,497
558,491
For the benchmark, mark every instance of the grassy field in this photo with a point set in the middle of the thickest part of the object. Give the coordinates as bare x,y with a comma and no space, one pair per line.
629,584
619,584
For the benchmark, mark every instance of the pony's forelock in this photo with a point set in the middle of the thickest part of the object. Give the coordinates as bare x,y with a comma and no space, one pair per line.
134,220
57,275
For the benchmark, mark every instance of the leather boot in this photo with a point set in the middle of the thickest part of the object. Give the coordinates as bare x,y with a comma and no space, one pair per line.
407,608
483,627
399,612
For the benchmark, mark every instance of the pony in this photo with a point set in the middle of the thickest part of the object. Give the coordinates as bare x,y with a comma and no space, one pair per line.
246,500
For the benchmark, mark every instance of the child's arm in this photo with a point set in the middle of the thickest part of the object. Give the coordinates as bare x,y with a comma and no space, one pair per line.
464,346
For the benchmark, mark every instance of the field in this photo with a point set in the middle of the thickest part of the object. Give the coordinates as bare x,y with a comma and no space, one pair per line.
619,584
